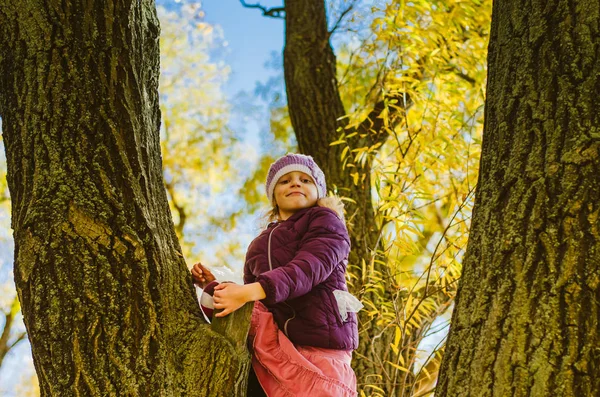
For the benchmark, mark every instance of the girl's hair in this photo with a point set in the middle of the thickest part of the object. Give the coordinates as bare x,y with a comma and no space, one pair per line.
334,203
273,214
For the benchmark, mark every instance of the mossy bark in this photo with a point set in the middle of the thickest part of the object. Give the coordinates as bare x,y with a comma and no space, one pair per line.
106,295
526,321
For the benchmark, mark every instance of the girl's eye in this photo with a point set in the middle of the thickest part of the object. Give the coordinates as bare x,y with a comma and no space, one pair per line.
283,181
306,180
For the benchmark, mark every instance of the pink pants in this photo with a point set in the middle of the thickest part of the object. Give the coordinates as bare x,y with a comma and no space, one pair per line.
287,370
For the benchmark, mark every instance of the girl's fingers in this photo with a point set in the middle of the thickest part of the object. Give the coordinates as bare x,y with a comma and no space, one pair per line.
223,313
198,268
202,274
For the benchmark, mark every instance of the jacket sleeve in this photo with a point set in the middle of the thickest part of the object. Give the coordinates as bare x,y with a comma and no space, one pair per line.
324,245
248,276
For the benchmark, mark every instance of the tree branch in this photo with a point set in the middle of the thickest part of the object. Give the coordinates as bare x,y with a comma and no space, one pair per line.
274,12
8,324
180,209
234,326
373,124
342,15
18,339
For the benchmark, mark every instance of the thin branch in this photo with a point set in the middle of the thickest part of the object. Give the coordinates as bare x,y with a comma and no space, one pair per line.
8,321
9,318
19,338
179,208
455,69
274,12
439,347
342,15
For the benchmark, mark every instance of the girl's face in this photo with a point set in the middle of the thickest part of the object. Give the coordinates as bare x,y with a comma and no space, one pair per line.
293,192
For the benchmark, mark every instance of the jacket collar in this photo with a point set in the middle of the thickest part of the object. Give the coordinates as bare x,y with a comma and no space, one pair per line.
294,217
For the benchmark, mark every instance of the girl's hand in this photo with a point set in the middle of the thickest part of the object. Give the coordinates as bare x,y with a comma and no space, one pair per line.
201,275
230,296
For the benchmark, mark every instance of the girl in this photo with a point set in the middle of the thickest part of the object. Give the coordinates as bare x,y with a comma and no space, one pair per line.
304,325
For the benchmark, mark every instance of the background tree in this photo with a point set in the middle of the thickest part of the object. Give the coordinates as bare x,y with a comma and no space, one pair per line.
11,335
526,321
395,122
107,299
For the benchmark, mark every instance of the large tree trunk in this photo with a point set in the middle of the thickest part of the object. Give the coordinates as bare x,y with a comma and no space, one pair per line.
316,112
106,297
526,321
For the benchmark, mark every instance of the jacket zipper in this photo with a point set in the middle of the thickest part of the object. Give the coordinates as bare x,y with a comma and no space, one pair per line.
269,247
288,320
271,268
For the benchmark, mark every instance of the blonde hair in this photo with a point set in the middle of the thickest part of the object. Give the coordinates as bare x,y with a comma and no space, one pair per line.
273,214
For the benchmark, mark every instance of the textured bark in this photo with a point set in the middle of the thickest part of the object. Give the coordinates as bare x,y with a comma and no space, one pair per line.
527,311
317,115
106,297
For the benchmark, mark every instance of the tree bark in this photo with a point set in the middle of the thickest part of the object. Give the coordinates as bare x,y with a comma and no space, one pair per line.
106,296
528,305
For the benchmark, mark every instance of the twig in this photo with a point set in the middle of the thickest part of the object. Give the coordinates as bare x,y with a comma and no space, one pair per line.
342,15
274,12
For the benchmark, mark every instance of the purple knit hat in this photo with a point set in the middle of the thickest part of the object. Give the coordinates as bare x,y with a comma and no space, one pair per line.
295,162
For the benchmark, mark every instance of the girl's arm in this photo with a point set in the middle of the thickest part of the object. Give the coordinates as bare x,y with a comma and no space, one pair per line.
323,247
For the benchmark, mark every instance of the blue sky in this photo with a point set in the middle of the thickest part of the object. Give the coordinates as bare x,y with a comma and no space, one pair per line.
251,38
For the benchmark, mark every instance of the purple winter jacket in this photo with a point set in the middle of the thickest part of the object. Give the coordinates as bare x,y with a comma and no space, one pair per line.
308,254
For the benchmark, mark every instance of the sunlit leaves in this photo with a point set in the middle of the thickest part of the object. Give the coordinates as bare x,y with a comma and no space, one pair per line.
433,52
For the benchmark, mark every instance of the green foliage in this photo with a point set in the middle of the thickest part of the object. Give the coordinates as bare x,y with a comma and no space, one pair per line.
424,175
